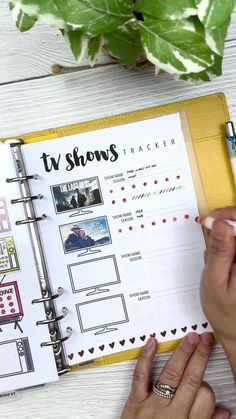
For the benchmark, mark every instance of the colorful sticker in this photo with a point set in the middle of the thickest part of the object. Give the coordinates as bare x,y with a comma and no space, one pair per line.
8,256
11,310
4,217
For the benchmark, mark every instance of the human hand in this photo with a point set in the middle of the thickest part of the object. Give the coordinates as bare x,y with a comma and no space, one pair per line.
218,286
184,372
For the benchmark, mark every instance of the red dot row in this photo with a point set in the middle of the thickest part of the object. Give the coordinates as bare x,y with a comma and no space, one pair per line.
144,184
153,223
12,311
9,297
11,304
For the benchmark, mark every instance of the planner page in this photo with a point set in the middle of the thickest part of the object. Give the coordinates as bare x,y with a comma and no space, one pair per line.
120,235
23,362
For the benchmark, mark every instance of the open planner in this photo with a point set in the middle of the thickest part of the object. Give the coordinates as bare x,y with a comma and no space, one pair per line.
99,247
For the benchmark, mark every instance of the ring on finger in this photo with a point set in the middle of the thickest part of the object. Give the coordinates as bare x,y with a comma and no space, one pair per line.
163,390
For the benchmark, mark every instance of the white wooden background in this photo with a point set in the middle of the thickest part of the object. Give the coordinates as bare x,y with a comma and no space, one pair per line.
31,98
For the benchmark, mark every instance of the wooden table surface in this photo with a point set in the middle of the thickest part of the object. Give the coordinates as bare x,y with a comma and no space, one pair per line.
32,98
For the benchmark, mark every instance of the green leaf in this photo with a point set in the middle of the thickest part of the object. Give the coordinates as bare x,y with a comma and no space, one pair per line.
207,75
95,17
175,46
125,45
44,11
23,21
78,42
94,47
166,9
216,38
213,13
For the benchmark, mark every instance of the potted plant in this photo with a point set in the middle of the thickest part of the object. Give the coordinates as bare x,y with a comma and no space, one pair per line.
182,37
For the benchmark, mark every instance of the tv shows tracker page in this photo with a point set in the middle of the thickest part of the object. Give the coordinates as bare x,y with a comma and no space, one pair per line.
120,235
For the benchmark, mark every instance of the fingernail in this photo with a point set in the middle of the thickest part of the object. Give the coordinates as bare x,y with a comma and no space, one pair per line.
150,345
207,338
192,338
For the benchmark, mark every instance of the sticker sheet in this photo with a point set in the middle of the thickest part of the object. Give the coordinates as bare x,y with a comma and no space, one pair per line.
120,236
23,362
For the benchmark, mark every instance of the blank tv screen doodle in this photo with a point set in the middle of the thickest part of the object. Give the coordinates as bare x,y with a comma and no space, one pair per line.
103,313
15,357
77,195
94,275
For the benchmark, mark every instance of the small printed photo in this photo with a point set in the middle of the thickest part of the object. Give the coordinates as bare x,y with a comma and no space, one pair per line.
85,234
83,193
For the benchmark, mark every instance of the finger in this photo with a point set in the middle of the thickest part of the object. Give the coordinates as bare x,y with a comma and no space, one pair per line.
228,213
204,403
205,256
221,413
193,374
174,368
142,373
221,251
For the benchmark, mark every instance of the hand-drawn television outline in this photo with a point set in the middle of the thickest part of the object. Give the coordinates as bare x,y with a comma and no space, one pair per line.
8,255
97,287
18,356
5,224
16,312
90,248
83,209
107,326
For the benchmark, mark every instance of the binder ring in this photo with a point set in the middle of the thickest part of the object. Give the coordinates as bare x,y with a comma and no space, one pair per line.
26,199
58,341
31,220
49,298
54,319
21,179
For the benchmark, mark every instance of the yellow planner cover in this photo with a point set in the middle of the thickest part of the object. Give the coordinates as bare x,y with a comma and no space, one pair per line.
206,118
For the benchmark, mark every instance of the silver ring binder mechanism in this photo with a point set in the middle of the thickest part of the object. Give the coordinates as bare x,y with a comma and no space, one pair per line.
47,299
